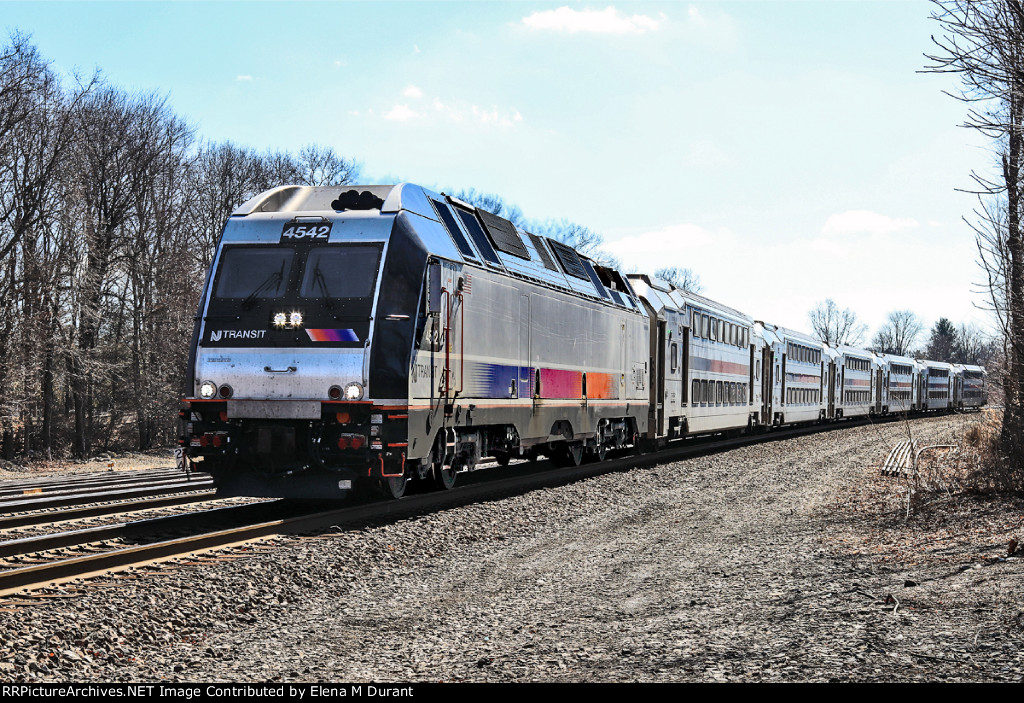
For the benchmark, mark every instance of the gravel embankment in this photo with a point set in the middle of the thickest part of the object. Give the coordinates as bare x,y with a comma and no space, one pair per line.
736,566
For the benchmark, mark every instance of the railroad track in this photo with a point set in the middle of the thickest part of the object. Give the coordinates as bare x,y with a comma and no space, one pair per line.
50,560
84,483
46,501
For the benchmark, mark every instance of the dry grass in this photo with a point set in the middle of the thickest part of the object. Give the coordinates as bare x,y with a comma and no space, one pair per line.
955,509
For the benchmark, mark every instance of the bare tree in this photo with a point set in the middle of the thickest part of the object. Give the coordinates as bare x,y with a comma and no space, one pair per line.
982,41
974,346
684,279
836,326
899,334
223,177
322,166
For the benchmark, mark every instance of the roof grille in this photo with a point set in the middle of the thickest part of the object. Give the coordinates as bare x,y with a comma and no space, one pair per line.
503,234
570,260
538,244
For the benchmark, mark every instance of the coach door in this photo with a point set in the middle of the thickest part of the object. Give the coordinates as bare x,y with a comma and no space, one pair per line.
767,367
660,399
831,389
878,390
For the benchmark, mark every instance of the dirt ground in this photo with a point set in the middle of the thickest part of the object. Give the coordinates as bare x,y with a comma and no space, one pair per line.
783,561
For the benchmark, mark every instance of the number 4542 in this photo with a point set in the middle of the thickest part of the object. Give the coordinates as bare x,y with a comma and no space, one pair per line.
306,232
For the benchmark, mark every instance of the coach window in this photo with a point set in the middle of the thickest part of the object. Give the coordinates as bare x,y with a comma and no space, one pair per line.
695,392
675,357
705,327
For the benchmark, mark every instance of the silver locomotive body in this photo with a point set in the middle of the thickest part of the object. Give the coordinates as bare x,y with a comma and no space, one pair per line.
387,333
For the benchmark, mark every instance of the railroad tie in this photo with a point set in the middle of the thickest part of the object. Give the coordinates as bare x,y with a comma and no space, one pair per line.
896,462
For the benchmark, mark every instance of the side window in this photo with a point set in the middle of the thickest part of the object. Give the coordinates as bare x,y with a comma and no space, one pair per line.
675,357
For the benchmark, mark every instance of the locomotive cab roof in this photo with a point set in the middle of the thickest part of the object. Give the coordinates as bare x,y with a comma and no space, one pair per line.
446,227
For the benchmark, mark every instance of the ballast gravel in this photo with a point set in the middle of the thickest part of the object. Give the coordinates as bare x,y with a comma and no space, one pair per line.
720,568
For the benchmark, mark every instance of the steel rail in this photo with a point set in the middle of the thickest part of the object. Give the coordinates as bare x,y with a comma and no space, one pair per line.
42,518
82,481
60,501
132,529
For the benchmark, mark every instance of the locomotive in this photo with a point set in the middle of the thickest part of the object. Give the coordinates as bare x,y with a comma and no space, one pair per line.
378,335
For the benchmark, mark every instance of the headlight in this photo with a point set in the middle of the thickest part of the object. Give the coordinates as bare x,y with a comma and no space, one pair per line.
354,391
207,389
295,319
280,319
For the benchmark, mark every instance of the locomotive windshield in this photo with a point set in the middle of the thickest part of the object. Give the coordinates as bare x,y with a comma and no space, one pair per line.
298,295
340,272
254,273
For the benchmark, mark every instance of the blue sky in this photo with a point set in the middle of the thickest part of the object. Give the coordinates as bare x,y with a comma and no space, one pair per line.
785,151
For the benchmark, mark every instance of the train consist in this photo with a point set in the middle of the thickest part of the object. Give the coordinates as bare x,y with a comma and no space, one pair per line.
388,334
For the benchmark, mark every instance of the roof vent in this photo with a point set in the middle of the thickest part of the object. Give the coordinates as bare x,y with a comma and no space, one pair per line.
354,200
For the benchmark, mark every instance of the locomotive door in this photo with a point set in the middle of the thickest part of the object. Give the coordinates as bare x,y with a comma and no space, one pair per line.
522,389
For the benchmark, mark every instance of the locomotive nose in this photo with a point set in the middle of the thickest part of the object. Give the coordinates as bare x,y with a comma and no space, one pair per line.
276,374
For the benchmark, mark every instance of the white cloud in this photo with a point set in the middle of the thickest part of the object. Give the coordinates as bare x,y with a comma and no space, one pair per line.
492,116
412,91
462,112
401,113
606,21
244,78
865,221
669,246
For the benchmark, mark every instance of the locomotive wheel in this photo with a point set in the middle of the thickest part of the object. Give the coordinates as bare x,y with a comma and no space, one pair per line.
394,487
600,453
568,454
444,478
502,458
